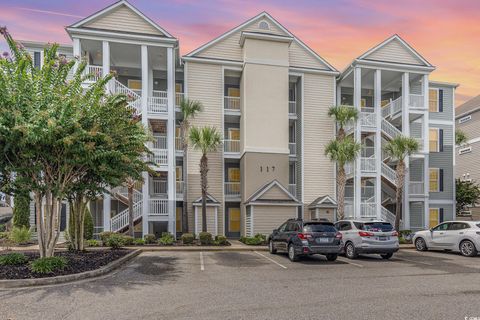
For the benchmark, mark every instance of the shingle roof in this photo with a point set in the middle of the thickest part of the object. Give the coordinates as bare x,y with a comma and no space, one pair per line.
470,106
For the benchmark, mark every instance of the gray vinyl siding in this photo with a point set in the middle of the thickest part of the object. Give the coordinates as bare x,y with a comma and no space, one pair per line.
417,216
468,163
416,170
444,160
416,129
448,105
448,210
472,127
416,88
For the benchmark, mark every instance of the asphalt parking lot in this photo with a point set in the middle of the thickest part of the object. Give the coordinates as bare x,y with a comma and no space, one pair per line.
257,285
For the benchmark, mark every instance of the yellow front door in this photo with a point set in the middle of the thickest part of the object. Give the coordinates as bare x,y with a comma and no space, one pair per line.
234,220
433,220
178,214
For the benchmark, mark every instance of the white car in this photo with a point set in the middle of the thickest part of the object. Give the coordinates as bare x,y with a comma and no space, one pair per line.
458,236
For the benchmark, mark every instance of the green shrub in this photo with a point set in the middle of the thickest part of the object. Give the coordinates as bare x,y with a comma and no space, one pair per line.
221,240
21,210
149,238
187,238
115,241
13,258
93,243
88,225
4,235
261,237
2,227
128,240
20,235
105,235
48,265
205,238
258,239
138,242
166,239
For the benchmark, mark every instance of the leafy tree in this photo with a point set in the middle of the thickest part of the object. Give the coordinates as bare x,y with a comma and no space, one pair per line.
467,194
188,108
21,210
67,141
206,139
460,137
399,148
342,152
343,115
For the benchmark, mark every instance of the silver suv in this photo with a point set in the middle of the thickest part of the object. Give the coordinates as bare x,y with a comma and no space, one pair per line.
375,236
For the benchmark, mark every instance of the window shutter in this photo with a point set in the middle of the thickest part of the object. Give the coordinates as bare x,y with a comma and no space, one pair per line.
440,100
440,187
441,215
440,140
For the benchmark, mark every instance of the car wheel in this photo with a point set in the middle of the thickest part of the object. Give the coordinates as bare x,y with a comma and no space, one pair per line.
332,256
291,253
386,256
420,245
350,251
467,248
271,247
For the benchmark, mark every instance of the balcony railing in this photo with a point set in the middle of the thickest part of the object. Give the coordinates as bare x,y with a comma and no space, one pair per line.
157,102
417,101
368,209
95,72
231,103
159,142
159,188
292,107
416,187
231,146
292,188
158,207
159,157
292,147
367,164
179,96
179,187
348,168
232,189
367,119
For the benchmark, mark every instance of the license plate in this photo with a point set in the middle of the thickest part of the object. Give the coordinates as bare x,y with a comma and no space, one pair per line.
382,238
323,240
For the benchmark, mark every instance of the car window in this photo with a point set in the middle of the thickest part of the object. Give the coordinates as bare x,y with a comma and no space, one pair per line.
374,226
282,227
346,226
319,227
458,226
441,227
290,226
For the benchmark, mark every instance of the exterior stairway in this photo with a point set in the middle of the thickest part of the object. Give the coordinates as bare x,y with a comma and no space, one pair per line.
387,215
120,221
134,100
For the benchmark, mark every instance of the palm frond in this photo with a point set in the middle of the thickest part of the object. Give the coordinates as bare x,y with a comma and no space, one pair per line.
343,114
342,151
401,147
206,139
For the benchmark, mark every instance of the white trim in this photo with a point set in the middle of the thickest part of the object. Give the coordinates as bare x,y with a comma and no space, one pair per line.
444,84
262,36
214,61
251,221
464,150
293,69
392,66
438,100
472,141
121,38
266,150
441,122
465,119
114,6
268,187
438,202
438,180
437,149
268,62
272,204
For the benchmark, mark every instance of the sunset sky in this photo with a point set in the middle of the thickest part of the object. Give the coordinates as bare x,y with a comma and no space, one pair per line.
445,32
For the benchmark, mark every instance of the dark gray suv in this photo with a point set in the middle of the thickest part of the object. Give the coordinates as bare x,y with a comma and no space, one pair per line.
300,238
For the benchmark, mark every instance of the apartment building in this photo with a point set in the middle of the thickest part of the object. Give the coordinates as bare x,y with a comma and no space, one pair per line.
268,93
467,118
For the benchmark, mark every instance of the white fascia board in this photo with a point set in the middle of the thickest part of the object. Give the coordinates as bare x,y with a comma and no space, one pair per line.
311,70
121,38
238,64
401,67
262,36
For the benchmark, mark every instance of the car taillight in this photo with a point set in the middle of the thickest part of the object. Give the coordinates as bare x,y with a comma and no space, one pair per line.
365,234
338,235
394,234
304,236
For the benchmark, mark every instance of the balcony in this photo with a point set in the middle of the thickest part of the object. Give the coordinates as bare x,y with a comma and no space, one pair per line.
159,157
179,187
368,210
417,101
231,103
416,188
179,96
95,72
231,146
292,147
158,188
367,164
157,102
292,108
158,207
178,144
368,119
232,189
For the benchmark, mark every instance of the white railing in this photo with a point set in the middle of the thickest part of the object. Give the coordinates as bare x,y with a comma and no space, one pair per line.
159,141
231,146
390,129
179,96
389,173
387,215
367,164
349,210
95,72
123,192
292,107
232,189
396,106
387,109
179,187
417,101
348,168
367,119
158,207
292,188
231,103
159,157
416,187
178,144
368,210
120,221
159,188
157,102
292,146
134,98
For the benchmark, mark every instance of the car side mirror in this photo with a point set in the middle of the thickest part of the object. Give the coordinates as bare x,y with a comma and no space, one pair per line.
431,229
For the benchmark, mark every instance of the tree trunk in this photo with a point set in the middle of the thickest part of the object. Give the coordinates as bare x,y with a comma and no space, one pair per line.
183,133
77,215
204,184
399,194
341,181
47,223
130,210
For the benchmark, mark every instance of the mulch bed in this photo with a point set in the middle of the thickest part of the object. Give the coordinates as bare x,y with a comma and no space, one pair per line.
77,262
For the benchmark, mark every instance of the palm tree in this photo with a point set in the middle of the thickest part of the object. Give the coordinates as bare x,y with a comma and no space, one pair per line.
399,148
343,115
342,152
206,139
460,137
189,109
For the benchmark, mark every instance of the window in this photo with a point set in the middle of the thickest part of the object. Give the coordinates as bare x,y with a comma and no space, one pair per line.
343,226
465,150
434,180
434,137
319,227
433,100
178,87
134,84
282,227
464,119
179,173
264,25
234,174
458,226
233,92
374,226
441,227
36,59
233,134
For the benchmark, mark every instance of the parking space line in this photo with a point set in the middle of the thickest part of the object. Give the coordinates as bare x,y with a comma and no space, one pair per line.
349,262
270,259
202,266
413,261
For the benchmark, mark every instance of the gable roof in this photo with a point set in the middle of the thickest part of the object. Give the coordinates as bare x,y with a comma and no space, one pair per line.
468,107
259,195
211,201
267,16
385,48
111,8
323,202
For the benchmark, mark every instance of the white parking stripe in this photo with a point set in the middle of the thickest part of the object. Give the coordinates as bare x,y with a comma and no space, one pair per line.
349,262
270,259
413,261
202,266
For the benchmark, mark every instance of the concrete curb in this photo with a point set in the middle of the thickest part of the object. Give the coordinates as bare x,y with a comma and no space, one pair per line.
18,283
201,248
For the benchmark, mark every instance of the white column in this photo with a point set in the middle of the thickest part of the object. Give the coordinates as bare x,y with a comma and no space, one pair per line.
406,132
357,96
145,175
426,165
377,84
171,139
107,209
77,52
105,57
